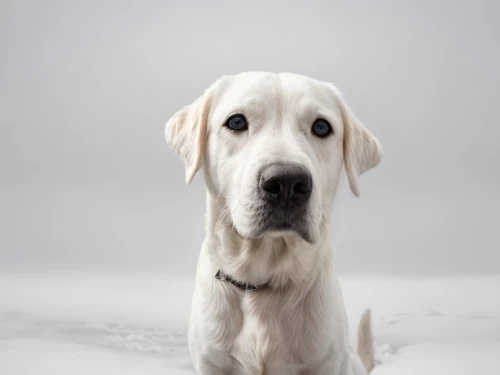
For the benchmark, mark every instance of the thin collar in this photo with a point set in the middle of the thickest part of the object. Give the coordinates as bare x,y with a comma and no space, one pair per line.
239,284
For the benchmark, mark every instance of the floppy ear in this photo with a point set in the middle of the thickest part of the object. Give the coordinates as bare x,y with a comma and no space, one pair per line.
186,133
362,151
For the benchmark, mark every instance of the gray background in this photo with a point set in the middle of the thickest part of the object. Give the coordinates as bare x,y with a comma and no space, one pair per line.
86,87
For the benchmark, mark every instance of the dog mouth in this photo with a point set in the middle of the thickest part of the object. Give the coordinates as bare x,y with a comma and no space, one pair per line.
274,221
276,228
283,225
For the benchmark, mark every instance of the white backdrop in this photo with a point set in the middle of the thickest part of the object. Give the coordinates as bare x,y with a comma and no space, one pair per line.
86,87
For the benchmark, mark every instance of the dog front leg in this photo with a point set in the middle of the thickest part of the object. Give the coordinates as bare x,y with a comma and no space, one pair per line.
215,362
210,369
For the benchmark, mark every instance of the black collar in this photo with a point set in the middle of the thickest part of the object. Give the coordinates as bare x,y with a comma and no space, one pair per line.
241,285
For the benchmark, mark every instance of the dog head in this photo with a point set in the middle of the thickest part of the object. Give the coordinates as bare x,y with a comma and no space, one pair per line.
272,147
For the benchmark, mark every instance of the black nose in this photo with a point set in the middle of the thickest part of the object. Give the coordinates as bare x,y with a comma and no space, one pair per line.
286,184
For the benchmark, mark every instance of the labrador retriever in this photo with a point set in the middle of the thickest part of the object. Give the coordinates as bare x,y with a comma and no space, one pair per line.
267,299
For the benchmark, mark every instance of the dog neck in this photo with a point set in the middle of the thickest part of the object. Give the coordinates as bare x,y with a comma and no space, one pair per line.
276,262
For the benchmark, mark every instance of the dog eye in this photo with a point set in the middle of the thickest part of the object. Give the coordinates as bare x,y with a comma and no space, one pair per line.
237,123
321,128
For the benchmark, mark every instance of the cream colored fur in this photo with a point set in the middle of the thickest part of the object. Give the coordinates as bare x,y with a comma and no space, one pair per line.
298,325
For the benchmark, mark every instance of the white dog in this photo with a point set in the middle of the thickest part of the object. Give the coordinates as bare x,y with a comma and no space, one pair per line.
267,300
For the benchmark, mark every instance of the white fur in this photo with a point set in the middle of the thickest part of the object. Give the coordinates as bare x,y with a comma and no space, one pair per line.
298,325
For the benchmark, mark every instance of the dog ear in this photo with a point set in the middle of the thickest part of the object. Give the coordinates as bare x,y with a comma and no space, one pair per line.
186,133
362,151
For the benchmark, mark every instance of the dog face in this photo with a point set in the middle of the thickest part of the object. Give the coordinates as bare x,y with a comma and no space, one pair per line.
272,147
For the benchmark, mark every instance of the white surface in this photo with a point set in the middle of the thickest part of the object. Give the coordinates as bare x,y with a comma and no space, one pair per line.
130,323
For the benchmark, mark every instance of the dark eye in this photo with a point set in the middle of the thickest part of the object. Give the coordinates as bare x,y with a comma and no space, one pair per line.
237,123
321,128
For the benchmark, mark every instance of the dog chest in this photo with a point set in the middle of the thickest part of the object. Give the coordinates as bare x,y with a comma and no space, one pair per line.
278,334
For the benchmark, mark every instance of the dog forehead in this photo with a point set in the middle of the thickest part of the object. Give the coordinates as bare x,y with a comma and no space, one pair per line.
264,88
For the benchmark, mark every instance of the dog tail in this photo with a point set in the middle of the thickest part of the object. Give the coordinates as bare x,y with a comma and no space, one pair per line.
365,341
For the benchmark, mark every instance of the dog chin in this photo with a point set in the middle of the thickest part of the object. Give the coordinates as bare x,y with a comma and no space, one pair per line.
285,229
284,233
